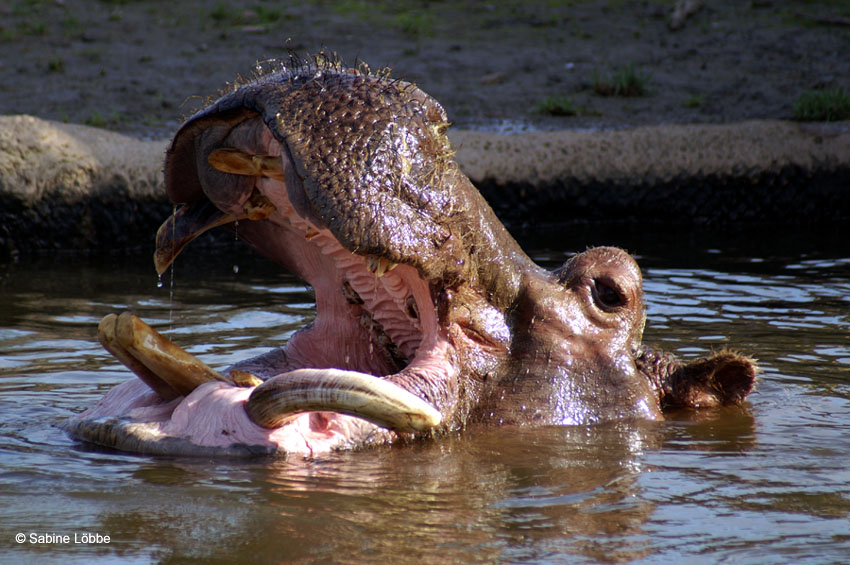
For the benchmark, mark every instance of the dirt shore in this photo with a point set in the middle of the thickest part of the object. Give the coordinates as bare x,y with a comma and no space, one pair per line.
705,144
140,67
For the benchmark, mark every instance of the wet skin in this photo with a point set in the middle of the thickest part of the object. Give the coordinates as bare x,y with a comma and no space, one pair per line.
429,315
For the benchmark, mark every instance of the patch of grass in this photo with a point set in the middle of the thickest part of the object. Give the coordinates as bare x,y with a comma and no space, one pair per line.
222,13
152,120
56,64
92,53
33,28
827,105
557,106
98,120
70,27
7,35
409,17
26,7
414,23
357,8
694,101
268,15
622,81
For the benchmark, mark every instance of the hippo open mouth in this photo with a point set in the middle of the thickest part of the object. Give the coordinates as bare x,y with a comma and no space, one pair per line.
429,315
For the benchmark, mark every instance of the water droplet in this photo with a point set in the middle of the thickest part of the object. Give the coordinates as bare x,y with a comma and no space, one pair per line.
159,281
236,268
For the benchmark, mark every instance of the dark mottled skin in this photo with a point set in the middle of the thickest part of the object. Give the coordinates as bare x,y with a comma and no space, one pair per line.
370,161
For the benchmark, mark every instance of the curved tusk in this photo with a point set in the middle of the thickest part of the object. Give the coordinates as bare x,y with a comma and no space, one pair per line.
109,341
181,370
347,392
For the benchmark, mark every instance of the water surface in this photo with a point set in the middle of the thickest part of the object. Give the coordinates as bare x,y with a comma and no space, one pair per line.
766,483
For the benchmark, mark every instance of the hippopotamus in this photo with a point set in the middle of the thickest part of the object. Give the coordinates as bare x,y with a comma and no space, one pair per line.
430,317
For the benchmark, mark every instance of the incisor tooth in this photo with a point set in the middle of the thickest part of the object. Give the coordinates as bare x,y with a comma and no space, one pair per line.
244,379
269,166
109,341
238,162
379,265
181,370
258,207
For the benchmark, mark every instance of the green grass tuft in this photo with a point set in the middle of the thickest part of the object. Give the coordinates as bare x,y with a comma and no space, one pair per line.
694,101
622,81
557,106
828,105
56,64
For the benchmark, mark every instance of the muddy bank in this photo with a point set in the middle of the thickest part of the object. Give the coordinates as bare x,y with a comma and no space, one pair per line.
755,172
140,67
76,187
73,187
137,68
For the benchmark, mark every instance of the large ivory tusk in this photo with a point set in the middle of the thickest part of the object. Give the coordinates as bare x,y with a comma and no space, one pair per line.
348,392
181,370
109,341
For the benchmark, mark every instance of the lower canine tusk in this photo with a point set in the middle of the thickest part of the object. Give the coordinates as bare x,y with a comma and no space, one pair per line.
347,392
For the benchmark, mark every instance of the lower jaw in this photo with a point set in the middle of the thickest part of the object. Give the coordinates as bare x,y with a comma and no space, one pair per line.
211,421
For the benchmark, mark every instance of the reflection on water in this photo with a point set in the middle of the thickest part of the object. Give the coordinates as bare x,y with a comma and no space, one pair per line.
767,483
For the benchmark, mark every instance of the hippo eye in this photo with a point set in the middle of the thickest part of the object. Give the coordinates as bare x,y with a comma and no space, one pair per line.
607,295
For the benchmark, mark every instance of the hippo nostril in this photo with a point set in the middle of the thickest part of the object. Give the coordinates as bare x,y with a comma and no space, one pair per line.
607,295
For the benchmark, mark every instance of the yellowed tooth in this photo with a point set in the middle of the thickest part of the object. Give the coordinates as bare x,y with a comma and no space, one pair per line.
232,161
244,379
381,268
269,166
372,264
311,233
258,207
181,370
238,162
379,265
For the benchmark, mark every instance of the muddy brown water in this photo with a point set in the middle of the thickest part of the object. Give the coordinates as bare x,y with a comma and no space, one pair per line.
766,483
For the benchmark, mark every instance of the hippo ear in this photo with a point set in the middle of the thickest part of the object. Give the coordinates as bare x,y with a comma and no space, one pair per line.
722,378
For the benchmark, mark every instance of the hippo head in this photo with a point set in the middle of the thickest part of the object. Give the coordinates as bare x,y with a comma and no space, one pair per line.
429,315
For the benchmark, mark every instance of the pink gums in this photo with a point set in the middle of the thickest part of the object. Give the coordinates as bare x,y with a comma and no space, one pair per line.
213,415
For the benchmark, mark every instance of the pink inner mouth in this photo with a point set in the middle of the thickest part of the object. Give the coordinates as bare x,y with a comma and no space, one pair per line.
369,319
